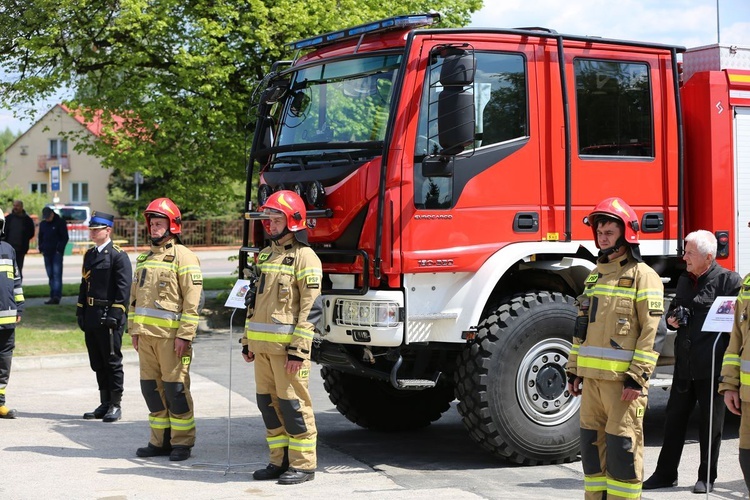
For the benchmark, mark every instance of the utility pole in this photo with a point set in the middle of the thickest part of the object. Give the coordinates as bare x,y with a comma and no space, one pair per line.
138,179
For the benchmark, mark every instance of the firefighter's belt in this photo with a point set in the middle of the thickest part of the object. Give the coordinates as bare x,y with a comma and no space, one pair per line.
91,301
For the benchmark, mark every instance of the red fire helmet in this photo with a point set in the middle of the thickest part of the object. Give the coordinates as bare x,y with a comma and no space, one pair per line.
291,205
164,207
616,208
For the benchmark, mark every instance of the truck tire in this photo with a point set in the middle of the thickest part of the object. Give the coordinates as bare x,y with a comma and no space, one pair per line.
375,404
511,381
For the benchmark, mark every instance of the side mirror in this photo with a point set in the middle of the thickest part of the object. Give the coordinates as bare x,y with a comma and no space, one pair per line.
455,102
266,139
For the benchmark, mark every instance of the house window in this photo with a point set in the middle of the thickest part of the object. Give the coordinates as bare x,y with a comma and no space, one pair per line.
58,148
38,187
79,192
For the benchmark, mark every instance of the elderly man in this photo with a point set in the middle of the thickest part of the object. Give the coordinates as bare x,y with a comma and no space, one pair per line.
694,381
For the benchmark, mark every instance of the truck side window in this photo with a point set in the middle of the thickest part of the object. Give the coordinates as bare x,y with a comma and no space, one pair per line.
613,105
500,98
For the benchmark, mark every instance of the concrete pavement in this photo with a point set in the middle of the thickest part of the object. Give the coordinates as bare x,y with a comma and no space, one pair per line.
51,452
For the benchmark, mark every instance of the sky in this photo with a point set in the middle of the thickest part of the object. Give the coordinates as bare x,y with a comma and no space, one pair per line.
690,23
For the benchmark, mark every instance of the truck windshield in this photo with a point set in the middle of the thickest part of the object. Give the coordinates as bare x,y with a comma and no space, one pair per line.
339,102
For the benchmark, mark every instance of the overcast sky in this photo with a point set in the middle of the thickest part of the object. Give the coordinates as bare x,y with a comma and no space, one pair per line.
690,23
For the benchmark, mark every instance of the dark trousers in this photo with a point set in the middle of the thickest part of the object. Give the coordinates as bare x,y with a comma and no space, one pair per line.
682,398
53,263
20,256
108,367
7,344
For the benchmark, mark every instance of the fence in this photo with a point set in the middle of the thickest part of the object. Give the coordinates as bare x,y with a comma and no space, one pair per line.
195,233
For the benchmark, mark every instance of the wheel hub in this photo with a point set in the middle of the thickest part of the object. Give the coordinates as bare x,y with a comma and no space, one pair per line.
542,385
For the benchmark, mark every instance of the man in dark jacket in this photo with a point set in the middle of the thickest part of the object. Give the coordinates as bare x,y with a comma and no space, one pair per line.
19,229
693,381
53,236
103,299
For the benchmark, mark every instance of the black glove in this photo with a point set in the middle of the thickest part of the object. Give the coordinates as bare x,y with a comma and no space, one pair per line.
79,319
114,317
245,350
632,384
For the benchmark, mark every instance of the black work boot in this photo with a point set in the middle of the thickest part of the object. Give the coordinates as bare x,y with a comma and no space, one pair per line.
100,410
295,476
153,451
179,453
270,472
114,412
273,471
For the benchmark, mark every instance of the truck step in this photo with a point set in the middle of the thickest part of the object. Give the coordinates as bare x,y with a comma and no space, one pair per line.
415,383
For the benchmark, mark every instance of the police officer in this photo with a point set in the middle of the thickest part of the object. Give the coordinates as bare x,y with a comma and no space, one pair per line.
162,320
279,333
613,354
11,306
103,298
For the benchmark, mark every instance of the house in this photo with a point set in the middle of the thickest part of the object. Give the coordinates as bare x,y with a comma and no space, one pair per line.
43,151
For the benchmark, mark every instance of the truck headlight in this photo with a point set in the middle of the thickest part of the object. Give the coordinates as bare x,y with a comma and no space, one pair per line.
350,312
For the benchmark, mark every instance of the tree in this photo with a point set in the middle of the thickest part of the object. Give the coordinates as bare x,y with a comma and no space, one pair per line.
173,79
6,139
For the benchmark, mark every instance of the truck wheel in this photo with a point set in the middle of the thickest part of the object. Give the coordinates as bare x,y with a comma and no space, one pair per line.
376,405
511,381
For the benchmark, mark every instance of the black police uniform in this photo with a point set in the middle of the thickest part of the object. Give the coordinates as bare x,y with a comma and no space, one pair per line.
103,299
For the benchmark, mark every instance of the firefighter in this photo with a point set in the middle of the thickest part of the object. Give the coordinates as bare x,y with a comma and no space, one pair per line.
162,320
11,305
735,374
279,334
613,354
103,296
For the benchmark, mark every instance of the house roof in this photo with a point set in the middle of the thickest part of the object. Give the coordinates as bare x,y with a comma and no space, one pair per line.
94,126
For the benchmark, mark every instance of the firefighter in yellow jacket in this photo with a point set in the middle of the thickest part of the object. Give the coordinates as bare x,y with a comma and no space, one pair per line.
279,334
613,355
162,321
735,374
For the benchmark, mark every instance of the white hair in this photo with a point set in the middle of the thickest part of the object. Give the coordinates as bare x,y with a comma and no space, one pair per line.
704,241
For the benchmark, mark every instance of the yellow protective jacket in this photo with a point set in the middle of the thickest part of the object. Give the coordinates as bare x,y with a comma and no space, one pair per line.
735,368
623,301
289,282
166,293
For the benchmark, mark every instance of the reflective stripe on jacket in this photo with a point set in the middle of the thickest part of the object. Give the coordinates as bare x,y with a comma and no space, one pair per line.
625,301
735,367
166,293
11,291
289,282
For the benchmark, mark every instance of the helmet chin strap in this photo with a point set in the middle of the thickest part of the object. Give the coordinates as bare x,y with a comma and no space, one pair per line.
158,241
280,235
606,252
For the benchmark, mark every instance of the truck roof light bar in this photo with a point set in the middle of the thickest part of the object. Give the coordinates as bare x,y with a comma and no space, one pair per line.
397,22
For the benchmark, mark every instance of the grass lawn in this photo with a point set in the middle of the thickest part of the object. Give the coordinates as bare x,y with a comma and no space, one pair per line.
46,330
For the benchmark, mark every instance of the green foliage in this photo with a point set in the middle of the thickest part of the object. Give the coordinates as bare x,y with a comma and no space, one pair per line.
176,77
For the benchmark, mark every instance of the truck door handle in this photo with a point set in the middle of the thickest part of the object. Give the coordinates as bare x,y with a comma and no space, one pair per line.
652,222
526,222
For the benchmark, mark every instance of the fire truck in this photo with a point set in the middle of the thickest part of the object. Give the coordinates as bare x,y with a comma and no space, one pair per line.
447,175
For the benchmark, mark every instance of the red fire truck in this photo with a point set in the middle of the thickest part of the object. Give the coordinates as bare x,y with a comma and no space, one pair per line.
447,174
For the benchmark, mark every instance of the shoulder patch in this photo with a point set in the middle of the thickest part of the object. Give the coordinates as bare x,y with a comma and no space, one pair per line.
263,257
312,281
142,257
656,305
592,278
197,278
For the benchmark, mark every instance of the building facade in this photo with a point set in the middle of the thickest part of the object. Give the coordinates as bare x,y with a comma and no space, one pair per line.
43,160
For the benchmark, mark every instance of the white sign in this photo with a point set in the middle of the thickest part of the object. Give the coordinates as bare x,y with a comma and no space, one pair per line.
236,297
721,315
